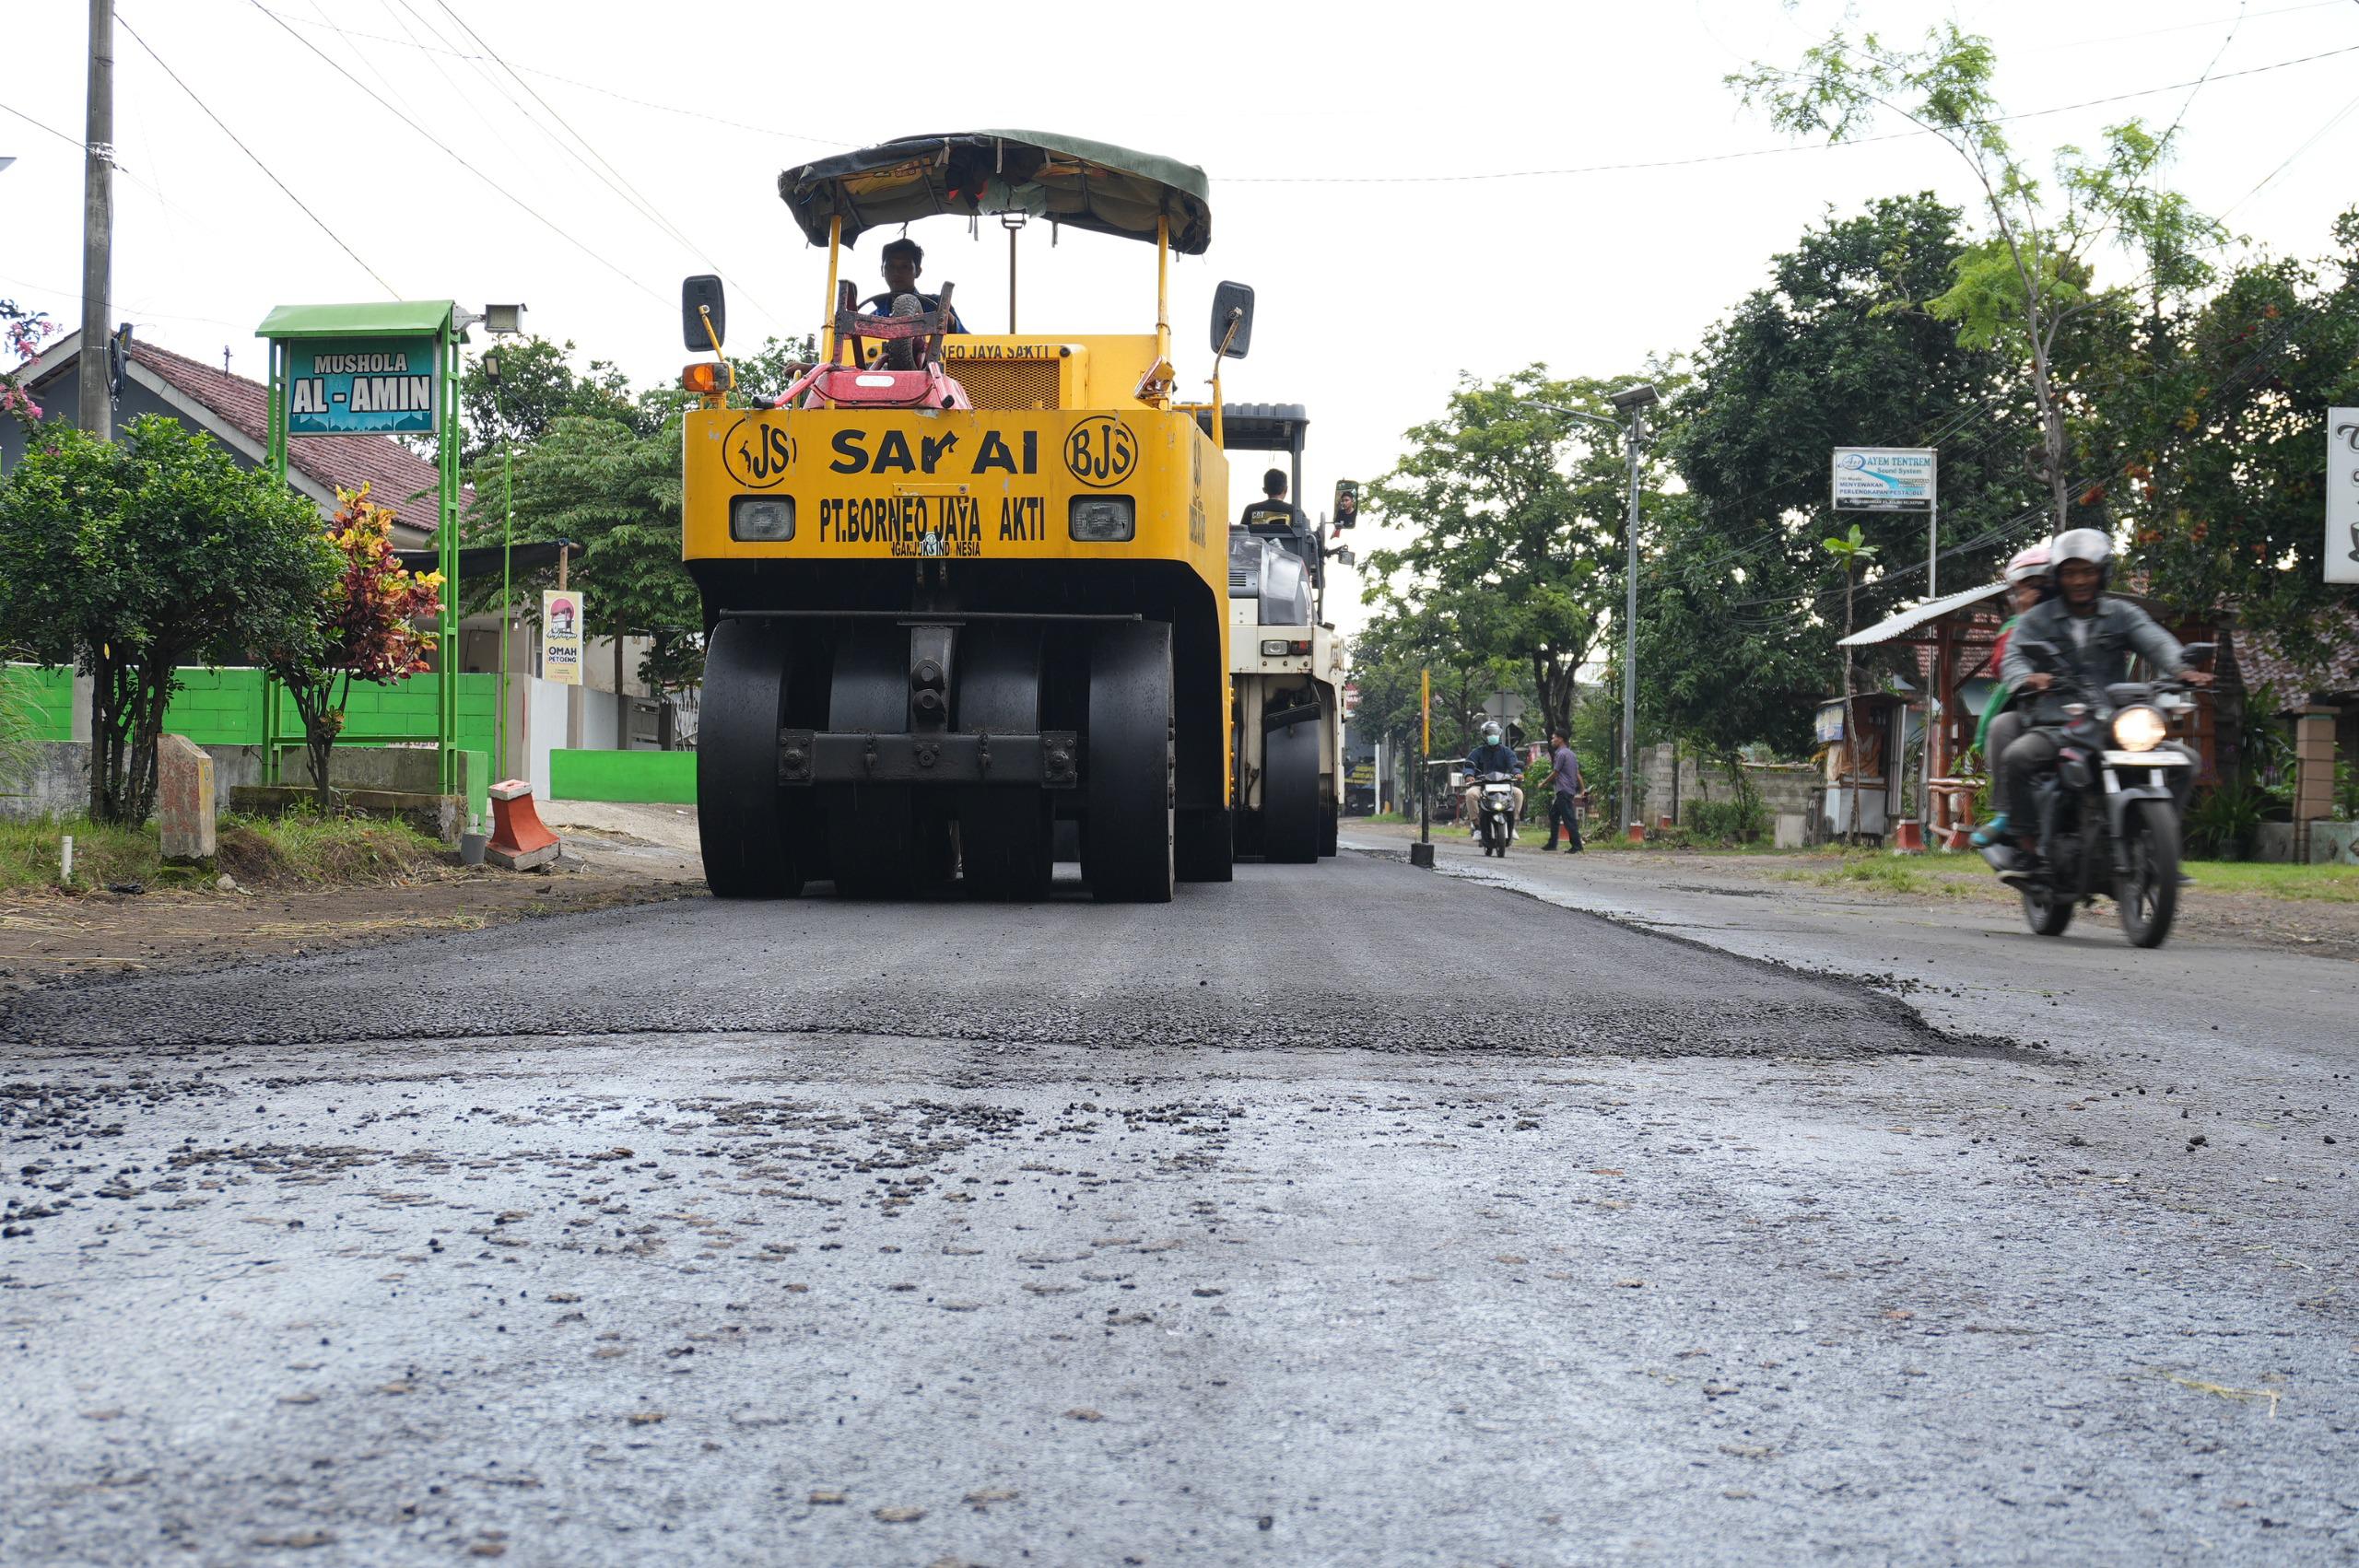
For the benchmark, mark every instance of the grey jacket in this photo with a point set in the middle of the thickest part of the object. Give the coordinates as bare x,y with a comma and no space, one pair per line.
2117,629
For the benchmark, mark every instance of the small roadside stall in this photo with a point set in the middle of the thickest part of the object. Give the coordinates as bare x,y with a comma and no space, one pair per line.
1950,639
1867,767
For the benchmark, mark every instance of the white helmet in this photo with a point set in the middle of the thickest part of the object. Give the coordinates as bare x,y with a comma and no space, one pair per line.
2026,564
2084,545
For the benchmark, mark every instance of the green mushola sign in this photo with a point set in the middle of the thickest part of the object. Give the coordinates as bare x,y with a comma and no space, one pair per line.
361,386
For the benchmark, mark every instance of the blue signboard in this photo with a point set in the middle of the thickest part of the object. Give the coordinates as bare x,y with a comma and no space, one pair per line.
361,386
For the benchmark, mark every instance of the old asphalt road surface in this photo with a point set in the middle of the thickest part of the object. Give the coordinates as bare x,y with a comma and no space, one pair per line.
1346,1214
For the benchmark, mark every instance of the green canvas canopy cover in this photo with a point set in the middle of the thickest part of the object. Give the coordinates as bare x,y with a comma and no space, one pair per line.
1092,185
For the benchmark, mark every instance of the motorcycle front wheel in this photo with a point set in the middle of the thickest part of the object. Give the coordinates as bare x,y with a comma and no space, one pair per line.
2047,911
2148,895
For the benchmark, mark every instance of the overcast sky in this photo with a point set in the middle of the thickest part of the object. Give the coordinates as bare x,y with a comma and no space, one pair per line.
1362,169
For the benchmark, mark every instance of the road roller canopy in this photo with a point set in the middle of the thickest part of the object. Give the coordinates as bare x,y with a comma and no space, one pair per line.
1087,184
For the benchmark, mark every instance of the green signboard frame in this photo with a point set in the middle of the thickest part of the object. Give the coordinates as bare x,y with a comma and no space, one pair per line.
354,337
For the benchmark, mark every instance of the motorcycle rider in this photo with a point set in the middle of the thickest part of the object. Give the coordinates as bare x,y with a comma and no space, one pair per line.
1492,756
2027,578
2094,634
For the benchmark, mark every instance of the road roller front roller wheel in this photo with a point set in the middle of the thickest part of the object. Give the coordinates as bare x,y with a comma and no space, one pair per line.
873,839
1006,832
1290,826
1126,837
754,845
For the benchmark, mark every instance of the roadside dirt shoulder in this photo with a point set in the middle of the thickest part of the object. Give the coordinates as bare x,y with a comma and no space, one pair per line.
613,859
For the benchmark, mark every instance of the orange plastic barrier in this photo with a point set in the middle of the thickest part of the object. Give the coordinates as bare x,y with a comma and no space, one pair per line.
518,840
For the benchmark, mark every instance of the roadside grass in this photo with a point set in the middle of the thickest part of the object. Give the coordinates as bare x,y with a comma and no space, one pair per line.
2331,885
296,850
1886,874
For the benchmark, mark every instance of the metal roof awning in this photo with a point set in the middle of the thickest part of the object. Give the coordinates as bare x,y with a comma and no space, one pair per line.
1092,185
372,318
1916,616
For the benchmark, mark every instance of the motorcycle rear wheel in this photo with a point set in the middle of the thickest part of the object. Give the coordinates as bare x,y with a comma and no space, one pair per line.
2148,896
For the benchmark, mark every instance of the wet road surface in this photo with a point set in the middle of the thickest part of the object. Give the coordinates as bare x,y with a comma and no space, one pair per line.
1344,1214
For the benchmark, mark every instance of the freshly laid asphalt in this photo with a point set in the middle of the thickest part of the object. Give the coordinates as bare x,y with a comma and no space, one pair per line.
1346,1214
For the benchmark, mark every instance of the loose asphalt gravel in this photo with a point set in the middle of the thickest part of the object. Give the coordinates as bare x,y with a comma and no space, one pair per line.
1346,1214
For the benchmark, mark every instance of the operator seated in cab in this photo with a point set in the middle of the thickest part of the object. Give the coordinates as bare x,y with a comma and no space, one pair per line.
1494,756
904,259
1274,517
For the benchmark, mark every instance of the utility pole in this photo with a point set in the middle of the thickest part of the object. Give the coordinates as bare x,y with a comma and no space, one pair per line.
96,414
1630,625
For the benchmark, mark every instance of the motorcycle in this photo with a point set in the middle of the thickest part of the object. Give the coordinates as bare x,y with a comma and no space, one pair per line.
2104,816
1494,813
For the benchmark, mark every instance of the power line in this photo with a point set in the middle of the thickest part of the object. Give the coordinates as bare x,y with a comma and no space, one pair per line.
253,157
1757,152
448,151
412,43
619,183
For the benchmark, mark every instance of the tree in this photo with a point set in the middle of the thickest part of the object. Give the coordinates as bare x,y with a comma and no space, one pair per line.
1518,513
138,557
1736,605
2216,434
2035,277
361,629
536,386
616,491
1852,550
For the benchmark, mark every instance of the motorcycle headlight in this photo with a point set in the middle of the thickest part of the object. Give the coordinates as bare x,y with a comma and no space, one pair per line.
2138,729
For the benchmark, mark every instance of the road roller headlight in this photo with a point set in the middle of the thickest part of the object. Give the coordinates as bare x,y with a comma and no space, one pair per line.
1103,519
761,517
2138,729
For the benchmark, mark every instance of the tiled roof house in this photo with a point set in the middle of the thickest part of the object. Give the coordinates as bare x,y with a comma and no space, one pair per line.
234,410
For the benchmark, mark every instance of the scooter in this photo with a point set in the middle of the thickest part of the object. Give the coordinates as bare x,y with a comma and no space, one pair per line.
2105,817
1494,814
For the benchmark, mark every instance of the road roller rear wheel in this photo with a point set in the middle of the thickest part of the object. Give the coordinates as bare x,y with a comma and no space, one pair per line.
1290,826
753,844
1126,839
1327,845
873,829
1005,831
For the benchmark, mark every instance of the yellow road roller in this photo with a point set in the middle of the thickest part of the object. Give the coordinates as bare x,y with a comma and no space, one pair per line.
963,588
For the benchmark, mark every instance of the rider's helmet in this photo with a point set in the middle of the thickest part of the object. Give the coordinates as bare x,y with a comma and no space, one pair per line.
2084,545
1491,733
2027,564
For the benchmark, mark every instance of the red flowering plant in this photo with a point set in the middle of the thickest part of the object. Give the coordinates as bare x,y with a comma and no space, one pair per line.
20,334
366,629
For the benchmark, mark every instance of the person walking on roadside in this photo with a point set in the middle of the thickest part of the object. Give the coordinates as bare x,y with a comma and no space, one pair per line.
1564,795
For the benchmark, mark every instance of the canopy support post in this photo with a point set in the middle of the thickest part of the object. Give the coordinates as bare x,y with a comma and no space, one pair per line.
827,320
1163,287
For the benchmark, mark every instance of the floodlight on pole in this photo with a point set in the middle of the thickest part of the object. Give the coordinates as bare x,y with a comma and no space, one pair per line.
1633,400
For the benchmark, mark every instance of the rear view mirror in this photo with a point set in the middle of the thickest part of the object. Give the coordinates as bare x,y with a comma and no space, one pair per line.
2042,655
701,304
1232,320
2195,652
1347,503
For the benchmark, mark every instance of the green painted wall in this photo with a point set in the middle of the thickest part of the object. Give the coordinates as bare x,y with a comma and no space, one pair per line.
668,778
51,695
223,708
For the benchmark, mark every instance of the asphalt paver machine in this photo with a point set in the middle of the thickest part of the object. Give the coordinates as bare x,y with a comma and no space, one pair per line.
962,589
1285,665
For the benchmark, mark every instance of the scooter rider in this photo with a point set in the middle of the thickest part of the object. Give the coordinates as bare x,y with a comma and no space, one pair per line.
1492,756
2094,634
2027,578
